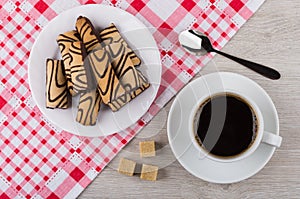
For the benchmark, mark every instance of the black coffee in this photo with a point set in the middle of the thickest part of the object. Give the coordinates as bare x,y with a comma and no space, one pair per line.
226,126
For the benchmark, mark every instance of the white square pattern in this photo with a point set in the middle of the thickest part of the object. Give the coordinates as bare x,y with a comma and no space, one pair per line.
203,4
166,44
214,16
6,133
164,8
14,102
223,25
12,80
2,118
26,6
9,6
23,90
28,187
33,123
75,160
13,63
9,27
27,169
106,150
42,21
27,44
8,169
18,18
74,141
63,151
17,160
254,5
24,114
37,196
45,169
168,62
60,176
27,27
239,20
36,178
4,184
3,54
114,141
59,6
184,23
22,71
91,174
124,5
74,192
16,142
19,36
205,25
53,141
7,151
214,34
54,160
10,45
25,150
222,4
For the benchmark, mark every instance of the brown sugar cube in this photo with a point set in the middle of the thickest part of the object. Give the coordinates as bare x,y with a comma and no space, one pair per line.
147,149
126,167
149,172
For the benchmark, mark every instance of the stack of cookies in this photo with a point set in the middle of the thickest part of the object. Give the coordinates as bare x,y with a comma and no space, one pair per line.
100,67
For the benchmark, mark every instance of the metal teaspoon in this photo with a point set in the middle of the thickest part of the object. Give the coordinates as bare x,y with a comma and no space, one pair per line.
197,43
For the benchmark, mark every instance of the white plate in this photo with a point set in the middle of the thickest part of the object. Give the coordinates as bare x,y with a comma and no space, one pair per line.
139,39
187,154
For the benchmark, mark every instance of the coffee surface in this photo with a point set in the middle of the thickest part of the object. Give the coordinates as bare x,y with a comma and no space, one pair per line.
226,126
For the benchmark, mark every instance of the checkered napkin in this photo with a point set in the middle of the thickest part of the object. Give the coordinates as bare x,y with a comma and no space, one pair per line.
39,160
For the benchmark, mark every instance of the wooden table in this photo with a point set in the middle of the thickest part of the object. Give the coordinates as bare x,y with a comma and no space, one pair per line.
271,37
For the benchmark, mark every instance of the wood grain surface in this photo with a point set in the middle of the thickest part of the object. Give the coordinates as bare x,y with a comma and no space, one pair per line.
270,37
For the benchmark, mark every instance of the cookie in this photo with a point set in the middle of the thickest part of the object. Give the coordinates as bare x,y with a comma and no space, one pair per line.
144,84
90,38
88,108
56,85
111,35
132,79
110,89
123,66
64,42
81,76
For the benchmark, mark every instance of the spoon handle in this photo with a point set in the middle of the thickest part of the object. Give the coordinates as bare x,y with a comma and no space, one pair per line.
261,69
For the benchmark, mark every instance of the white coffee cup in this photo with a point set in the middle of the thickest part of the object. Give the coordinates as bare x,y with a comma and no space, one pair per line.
261,134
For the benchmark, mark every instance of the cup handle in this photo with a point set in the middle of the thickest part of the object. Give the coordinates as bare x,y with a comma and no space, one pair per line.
271,139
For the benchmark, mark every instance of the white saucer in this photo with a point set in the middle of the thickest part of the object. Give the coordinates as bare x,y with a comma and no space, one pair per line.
187,154
140,40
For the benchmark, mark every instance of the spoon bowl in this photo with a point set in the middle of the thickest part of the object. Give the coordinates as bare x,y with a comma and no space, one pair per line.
192,43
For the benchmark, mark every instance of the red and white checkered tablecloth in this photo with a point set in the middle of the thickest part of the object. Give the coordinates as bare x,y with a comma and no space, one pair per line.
39,160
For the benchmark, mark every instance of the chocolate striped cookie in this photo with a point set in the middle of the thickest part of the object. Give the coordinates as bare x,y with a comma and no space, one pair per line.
132,80
64,42
144,84
88,108
110,89
88,34
56,85
80,71
111,35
